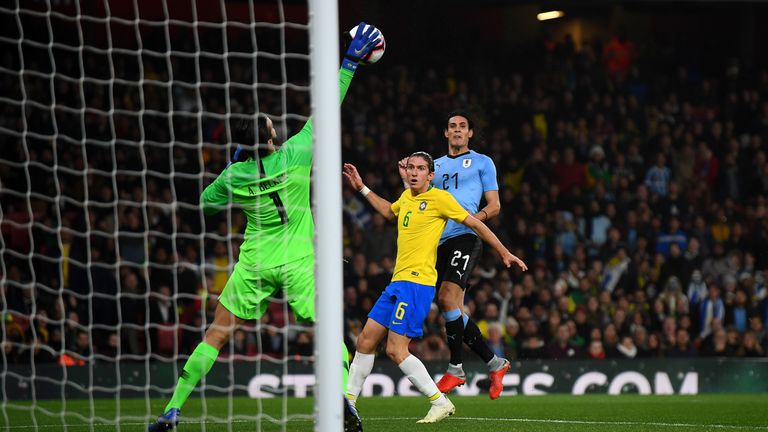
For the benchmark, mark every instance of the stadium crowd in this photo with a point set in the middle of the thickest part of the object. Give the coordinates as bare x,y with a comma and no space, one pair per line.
639,200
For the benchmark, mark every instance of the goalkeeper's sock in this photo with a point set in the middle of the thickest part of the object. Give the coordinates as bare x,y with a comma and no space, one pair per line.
195,368
474,339
345,366
454,330
414,369
359,370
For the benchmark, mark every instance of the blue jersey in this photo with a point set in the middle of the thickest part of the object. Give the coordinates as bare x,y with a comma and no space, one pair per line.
467,177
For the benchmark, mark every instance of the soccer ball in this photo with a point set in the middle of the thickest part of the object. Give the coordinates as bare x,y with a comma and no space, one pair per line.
377,52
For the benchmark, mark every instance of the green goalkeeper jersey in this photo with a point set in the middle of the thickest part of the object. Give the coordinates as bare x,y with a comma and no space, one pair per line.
274,195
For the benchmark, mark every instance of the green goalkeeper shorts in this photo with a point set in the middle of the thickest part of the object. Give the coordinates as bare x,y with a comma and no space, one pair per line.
247,293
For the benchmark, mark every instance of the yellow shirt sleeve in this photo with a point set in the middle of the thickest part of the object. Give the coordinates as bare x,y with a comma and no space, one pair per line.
451,208
395,207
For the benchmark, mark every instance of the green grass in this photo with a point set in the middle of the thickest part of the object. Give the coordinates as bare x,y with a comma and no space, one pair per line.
479,414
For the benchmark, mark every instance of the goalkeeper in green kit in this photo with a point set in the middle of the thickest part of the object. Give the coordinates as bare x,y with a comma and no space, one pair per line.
270,182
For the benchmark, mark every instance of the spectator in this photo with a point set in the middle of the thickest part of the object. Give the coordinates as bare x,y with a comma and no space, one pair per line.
737,313
560,348
597,227
302,346
610,341
433,348
379,239
532,345
511,332
496,340
673,235
240,344
706,167
218,267
627,347
618,55
711,307
697,289
683,347
596,351
570,173
673,298
658,176
750,346
716,345
616,273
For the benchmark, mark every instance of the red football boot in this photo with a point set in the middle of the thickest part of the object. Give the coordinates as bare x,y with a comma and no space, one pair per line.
449,382
497,378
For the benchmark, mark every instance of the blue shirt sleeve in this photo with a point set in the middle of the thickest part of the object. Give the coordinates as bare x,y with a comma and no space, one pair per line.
488,175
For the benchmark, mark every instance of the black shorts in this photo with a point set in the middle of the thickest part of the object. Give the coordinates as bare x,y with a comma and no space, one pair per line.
456,258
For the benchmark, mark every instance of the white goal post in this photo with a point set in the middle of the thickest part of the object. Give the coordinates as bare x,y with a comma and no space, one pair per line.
324,54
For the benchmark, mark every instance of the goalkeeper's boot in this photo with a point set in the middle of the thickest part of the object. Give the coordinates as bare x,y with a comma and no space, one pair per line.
497,378
453,378
439,412
166,422
352,422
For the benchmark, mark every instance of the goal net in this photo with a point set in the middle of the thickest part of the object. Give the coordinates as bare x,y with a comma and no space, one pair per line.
114,117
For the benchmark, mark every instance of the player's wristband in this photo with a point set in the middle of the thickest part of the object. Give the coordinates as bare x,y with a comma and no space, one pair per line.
349,64
486,215
364,190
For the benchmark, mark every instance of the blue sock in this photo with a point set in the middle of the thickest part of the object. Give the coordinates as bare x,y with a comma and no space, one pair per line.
452,315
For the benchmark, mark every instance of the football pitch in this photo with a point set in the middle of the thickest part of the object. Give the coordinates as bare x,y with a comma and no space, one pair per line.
520,413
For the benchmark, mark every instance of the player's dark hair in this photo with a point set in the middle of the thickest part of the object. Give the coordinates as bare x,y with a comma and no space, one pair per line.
463,113
427,157
251,132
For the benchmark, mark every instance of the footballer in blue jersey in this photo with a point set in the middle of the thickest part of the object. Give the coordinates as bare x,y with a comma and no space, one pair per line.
468,176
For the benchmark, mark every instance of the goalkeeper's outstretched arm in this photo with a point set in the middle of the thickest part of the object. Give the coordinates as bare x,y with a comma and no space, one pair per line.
381,205
359,47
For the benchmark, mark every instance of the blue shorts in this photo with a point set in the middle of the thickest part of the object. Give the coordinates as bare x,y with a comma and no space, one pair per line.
403,307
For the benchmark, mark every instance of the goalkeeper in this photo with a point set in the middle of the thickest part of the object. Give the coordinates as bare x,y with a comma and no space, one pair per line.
271,184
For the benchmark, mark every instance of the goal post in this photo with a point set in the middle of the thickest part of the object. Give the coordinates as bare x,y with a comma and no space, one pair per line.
324,55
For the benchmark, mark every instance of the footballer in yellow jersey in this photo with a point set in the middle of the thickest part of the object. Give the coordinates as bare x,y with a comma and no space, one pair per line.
421,213
420,222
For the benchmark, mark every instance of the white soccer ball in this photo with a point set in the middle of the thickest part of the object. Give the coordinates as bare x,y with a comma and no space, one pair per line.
377,52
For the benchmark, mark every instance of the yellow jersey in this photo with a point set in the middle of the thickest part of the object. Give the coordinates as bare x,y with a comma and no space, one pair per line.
420,223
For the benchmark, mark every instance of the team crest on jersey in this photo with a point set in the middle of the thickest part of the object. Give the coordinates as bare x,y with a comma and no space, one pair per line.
423,205
466,163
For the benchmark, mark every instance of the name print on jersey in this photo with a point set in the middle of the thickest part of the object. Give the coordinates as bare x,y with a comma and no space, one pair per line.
266,185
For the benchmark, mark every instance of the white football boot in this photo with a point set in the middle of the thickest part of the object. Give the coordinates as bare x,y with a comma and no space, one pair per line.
439,412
